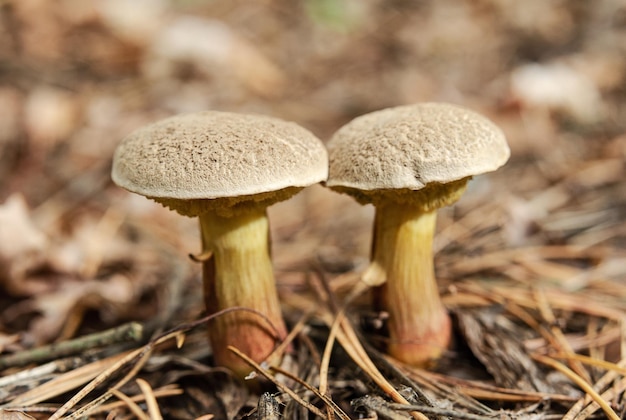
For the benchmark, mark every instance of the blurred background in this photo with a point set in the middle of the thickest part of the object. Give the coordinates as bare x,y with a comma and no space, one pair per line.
78,253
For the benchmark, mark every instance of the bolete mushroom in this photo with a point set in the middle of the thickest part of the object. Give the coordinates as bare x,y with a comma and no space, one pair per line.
408,161
226,169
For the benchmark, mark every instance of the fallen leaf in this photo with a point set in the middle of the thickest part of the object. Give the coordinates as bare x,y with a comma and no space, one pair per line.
22,244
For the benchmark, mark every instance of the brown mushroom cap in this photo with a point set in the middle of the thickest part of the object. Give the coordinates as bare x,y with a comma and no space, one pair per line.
410,147
218,155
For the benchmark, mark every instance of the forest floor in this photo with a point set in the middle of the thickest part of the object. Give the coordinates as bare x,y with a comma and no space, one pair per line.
100,310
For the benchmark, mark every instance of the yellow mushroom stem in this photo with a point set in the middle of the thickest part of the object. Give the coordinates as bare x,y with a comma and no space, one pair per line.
240,274
419,325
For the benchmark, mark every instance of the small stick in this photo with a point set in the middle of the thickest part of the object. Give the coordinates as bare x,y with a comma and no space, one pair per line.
166,391
612,393
334,408
151,401
584,385
282,347
444,412
390,410
35,373
139,357
132,331
349,340
548,315
132,406
325,362
279,385
65,382
379,406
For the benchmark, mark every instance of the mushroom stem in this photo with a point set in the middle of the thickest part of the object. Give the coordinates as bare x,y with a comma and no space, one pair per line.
419,325
240,274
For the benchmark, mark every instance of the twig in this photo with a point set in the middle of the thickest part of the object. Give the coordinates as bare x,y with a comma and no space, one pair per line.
482,390
166,391
619,367
383,361
390,410
613,392
325,362
282,347
548,315
140,356
132,331
454,414
349,340
65,382
379,406
279,385
584,385
132,405
325,398
613,371
151,402
585,407
37,372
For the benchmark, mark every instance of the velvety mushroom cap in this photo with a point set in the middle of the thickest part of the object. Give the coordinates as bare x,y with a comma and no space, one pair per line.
412,147
218,155
409,161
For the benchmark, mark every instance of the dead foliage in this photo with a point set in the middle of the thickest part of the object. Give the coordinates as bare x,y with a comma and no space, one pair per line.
100,315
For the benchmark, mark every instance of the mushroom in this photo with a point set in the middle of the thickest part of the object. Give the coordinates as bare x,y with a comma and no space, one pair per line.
408,161
226,169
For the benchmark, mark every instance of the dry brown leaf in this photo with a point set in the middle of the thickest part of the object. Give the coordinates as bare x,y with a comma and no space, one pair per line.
14,415
110,297
22,246
215,50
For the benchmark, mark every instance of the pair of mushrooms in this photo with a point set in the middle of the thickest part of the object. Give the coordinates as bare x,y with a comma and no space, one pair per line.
227,168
